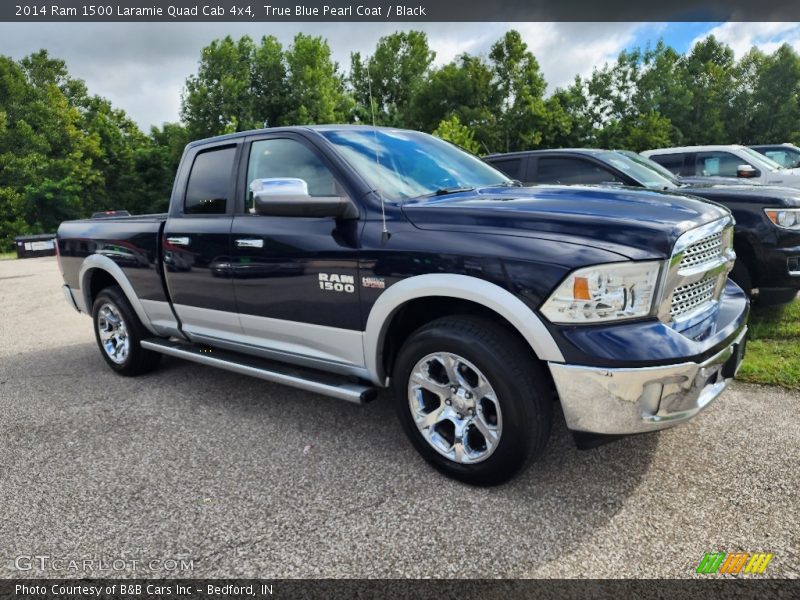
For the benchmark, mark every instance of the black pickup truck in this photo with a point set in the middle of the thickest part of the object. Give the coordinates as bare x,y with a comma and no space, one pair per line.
344,259
767,231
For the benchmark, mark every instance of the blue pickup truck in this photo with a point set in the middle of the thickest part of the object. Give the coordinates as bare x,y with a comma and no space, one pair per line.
346,259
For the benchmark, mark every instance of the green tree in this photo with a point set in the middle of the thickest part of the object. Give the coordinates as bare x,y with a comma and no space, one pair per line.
219,98
518,88
395,73
453,131
316,90
119,140
268,83
462,88
157,163
708,73
573,125
47,160
775,112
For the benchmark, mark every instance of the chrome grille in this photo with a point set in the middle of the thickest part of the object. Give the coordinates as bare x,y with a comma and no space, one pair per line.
696,275
702,252
687,298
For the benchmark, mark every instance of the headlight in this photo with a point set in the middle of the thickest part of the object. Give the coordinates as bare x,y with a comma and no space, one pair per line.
786,218
605,293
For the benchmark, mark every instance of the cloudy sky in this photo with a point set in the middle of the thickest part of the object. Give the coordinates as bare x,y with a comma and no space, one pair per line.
141,67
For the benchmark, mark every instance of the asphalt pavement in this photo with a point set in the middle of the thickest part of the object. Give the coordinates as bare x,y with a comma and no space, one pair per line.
195,472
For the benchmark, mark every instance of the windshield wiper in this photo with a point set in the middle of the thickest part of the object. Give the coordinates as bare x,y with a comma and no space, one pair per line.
447,191
509,183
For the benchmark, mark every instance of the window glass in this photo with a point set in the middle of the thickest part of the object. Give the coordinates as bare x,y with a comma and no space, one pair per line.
290,158
717,164
759,161
408,164
671,162
572,171
785,157
779,156
637,167
209,182
509,166
792,157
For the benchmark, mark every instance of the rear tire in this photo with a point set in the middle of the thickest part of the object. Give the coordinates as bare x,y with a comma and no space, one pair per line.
472,398
119,334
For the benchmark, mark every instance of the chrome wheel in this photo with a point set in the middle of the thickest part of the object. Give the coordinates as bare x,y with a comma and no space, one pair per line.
113,333
455,408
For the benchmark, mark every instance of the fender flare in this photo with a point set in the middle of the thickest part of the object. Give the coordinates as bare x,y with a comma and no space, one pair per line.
463,287
103,263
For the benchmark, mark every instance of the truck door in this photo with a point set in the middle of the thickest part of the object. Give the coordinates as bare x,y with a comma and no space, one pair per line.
296,278
196,243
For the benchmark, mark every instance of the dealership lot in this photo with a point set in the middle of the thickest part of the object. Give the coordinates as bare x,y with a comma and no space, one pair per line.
237,477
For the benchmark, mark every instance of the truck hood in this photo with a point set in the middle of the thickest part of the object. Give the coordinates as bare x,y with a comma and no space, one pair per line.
768,195
634,223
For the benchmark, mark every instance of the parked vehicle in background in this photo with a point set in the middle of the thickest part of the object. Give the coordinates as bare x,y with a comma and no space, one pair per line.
786,155
733,161
105,214
685,180
342,259
767,231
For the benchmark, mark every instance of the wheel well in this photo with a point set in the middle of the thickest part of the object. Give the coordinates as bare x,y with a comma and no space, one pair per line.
744,252
414,314
98,281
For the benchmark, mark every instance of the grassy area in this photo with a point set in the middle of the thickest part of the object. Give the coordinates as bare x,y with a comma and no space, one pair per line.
773,350
7,255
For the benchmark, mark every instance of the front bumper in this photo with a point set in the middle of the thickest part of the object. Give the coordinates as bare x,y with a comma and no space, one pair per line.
626,401
778,265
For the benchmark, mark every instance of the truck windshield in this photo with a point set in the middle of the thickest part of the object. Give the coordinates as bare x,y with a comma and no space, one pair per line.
761,161
401,164
638,169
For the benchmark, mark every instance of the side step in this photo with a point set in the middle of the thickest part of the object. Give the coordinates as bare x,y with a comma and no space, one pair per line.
298,377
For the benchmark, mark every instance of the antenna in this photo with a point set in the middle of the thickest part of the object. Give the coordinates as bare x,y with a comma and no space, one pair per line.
385,235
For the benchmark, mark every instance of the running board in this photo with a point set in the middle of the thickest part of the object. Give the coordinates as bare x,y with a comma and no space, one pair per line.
297,377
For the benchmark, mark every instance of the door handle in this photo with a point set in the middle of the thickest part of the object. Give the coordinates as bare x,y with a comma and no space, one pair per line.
250,243
178,241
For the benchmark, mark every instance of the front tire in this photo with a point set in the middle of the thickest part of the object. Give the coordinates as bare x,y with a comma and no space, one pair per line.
119,333
472,398
740,275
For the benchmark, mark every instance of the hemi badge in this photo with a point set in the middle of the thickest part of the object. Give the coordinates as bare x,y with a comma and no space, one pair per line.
378,283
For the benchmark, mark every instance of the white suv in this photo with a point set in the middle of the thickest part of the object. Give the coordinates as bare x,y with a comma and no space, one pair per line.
724,161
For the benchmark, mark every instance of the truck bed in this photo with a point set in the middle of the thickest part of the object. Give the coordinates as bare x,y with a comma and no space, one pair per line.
132,242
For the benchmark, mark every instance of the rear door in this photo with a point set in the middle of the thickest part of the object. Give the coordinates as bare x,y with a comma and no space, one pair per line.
295,279
196,243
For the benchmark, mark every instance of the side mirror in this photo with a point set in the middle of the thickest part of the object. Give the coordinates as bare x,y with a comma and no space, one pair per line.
288,197
747,171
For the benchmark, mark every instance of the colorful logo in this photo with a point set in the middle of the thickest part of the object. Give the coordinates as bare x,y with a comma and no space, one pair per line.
733,564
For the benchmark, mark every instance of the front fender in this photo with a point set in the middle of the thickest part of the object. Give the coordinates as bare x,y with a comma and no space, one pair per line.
464,287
